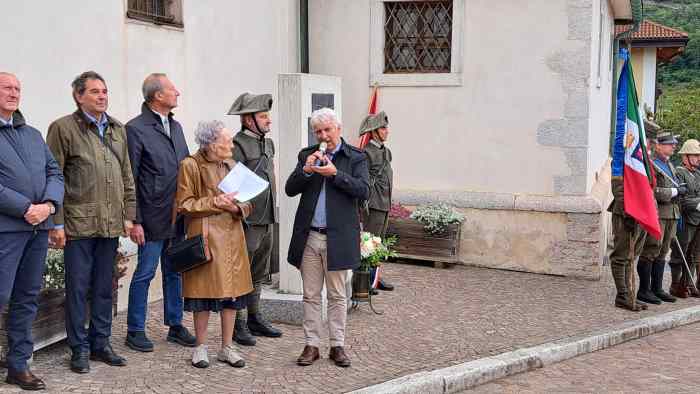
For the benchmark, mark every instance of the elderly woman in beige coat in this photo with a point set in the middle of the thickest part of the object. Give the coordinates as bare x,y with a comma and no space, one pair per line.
219,285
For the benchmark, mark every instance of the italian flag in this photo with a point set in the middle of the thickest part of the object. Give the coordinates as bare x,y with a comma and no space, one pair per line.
630,157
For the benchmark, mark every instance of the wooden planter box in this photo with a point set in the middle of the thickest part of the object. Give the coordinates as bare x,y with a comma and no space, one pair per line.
49,326
413,242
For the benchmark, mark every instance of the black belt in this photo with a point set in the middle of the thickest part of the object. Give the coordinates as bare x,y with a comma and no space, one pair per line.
319,230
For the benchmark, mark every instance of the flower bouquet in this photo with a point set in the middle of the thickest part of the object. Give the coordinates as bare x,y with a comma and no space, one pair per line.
374,250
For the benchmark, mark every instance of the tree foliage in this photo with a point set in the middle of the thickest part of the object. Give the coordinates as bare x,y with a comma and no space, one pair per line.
679,106
683,15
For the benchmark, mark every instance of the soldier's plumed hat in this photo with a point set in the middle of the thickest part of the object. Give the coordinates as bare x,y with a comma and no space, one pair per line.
251,103
651,129
374,122
690,147
666,138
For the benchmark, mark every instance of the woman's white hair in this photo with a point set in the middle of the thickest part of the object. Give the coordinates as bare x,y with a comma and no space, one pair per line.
324,115
207,132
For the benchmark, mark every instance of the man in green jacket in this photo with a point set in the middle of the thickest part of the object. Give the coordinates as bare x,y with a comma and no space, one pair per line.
667,193
375,213
688,234
256,152
100,205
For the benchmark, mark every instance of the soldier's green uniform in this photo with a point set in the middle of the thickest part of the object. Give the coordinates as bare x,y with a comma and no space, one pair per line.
375,214
653,258
256,151
688,236
375,211
628,241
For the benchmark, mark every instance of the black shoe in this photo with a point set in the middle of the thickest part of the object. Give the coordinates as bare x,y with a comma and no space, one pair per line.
241,334
180,335
373,291
107,356
260,328
648,297
385,286
79,362
25,380
138,341
664,296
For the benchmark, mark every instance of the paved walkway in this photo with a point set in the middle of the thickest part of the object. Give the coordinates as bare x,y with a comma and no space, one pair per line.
436,318
663,363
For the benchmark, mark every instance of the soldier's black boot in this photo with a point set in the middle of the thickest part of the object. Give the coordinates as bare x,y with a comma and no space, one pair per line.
241,334
644,293
259,327
657,279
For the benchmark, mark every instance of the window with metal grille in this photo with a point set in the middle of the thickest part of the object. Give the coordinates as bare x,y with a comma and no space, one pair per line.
417,36
160,12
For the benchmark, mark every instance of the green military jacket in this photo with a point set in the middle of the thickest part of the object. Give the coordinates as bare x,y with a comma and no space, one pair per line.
667,203
689,202
381,176
99,184
617,186
257,154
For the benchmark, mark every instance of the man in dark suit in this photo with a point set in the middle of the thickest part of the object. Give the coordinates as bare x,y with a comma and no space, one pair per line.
31,188
156,147
325,241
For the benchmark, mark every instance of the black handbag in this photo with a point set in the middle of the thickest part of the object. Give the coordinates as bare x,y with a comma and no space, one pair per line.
190,253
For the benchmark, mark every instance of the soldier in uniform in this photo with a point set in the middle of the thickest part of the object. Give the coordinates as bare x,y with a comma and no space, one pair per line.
628,240
667,193
375,213
256,152
688,234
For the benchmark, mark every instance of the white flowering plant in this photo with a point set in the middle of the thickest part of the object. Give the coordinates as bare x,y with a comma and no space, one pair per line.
374,250
55,274
435,217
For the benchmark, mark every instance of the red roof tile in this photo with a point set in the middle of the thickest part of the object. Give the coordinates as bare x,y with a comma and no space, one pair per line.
652,31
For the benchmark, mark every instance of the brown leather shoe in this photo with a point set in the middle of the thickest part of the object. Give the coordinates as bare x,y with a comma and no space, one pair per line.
679,290
308,356
25,380
338,355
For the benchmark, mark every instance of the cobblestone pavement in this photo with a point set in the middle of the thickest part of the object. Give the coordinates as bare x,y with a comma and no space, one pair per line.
434,319
663,363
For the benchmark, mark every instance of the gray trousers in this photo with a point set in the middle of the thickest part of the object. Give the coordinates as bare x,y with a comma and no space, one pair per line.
258,240
375,222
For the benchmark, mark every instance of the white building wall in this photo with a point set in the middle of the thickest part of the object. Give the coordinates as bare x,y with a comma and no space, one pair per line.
649,85
226,47
601,91
483,135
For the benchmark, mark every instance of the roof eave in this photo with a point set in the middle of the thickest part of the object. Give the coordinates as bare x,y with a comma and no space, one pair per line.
659,43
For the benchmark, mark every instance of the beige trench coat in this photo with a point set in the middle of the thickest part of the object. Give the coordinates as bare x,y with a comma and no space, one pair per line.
228,273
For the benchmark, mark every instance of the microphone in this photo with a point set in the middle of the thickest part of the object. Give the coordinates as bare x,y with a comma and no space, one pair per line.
321,148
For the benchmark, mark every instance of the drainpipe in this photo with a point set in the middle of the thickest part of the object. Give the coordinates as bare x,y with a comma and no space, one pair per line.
637,17
304,35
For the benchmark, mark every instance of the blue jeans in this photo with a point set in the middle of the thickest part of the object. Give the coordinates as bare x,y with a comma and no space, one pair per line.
149,255
22,261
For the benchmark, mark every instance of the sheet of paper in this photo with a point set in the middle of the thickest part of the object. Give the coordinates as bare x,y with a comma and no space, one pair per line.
244,181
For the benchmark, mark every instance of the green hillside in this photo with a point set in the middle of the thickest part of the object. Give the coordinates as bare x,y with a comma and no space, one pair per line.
679,106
